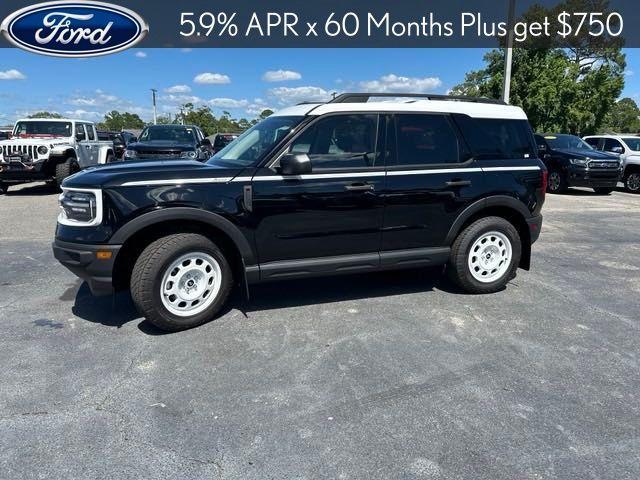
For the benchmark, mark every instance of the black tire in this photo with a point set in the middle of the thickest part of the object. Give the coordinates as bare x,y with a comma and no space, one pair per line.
556,182
603,190
632,182
4,187
458,268
150,268
64,169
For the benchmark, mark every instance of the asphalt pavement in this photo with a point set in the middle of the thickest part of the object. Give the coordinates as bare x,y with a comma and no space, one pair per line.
381,376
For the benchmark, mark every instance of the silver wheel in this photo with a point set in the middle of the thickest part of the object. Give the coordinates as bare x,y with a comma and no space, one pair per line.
633,182
490,257
554,181
190,284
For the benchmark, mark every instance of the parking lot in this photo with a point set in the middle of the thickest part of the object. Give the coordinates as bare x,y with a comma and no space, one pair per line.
389,376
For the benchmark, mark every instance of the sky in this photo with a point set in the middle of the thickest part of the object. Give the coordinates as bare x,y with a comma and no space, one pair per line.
241,81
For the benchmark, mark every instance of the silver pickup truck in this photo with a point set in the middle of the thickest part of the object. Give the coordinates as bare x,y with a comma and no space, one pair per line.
47,149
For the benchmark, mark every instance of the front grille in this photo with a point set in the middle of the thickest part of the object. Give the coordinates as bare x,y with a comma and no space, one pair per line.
159,153
602,164
30,150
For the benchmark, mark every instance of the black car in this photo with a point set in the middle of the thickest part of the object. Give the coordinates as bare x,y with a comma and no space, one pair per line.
316,189
572,162
169,142
221,140
120,141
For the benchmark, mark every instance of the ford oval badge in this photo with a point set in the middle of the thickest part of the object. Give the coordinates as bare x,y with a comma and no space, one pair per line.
74,29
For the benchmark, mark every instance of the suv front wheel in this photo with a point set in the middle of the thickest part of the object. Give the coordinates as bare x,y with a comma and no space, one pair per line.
180,281
485,255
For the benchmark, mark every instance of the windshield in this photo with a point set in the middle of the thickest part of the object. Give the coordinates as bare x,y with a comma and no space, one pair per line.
178,134
251,147
633,143
567,142
42,127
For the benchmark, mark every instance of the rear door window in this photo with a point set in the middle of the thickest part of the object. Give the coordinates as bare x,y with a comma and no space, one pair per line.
426,139
497,138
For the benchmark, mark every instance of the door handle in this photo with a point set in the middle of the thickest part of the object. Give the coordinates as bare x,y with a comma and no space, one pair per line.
458,183
359,187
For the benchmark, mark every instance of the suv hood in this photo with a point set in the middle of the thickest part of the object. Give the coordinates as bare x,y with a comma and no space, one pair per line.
36,140
592,154
154,172
160,145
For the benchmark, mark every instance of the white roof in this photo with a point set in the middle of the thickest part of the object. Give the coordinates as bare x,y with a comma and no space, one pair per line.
613,135
473,109
52,120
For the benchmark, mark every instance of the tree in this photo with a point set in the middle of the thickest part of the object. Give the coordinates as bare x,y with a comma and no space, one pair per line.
265,113
561,89
624,117
45,115
117,121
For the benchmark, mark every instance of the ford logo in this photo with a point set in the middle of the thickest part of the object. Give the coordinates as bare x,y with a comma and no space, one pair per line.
74,29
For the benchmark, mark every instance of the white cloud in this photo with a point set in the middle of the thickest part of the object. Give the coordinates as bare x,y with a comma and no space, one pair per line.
228,103
99,98
178,89
280,75
140,54
397,84
292,95
628,73
12,74
84,114
180,99
211,78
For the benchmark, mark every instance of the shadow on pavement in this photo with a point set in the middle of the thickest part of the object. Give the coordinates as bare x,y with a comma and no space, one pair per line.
118,309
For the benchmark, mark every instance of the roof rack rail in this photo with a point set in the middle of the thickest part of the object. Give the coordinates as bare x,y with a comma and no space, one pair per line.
364,97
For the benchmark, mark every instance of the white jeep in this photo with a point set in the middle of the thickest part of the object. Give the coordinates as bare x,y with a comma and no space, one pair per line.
50,149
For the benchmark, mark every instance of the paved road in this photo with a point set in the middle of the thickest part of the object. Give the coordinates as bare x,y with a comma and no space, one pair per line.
385,376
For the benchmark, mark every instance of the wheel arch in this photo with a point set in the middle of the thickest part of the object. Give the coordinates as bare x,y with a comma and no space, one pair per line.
136,235
502,206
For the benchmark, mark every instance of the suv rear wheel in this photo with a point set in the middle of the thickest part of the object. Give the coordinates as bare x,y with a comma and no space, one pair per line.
180,281
485,255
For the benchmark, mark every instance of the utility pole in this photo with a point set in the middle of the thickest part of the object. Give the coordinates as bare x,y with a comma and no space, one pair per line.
155,113
508,54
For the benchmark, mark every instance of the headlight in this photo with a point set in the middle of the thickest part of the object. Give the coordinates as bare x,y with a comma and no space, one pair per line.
80,207
42,150
579,161
188,154
130,154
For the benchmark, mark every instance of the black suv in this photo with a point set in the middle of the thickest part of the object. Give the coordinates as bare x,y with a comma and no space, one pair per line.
572,162
167,142
315,189
120,141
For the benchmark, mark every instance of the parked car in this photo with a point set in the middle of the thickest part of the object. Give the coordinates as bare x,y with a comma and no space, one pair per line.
51,150
572,162
120,141
167,142
315,189
221,140
5,134
627,147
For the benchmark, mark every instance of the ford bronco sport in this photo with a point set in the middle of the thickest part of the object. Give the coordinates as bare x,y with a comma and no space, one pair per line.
348,186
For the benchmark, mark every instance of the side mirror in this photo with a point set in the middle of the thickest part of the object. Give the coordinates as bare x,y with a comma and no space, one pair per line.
542,147
295,164
617,150
118,141
205,142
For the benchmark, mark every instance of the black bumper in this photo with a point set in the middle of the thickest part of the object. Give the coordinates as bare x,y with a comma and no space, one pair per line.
19,171
583,177
82,260
535,224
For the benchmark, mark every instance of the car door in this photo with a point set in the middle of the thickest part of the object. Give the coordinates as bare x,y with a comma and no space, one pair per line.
332,216
92,143
430,180
83,150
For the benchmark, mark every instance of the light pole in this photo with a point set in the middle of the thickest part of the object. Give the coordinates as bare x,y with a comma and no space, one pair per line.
155,113
508,54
